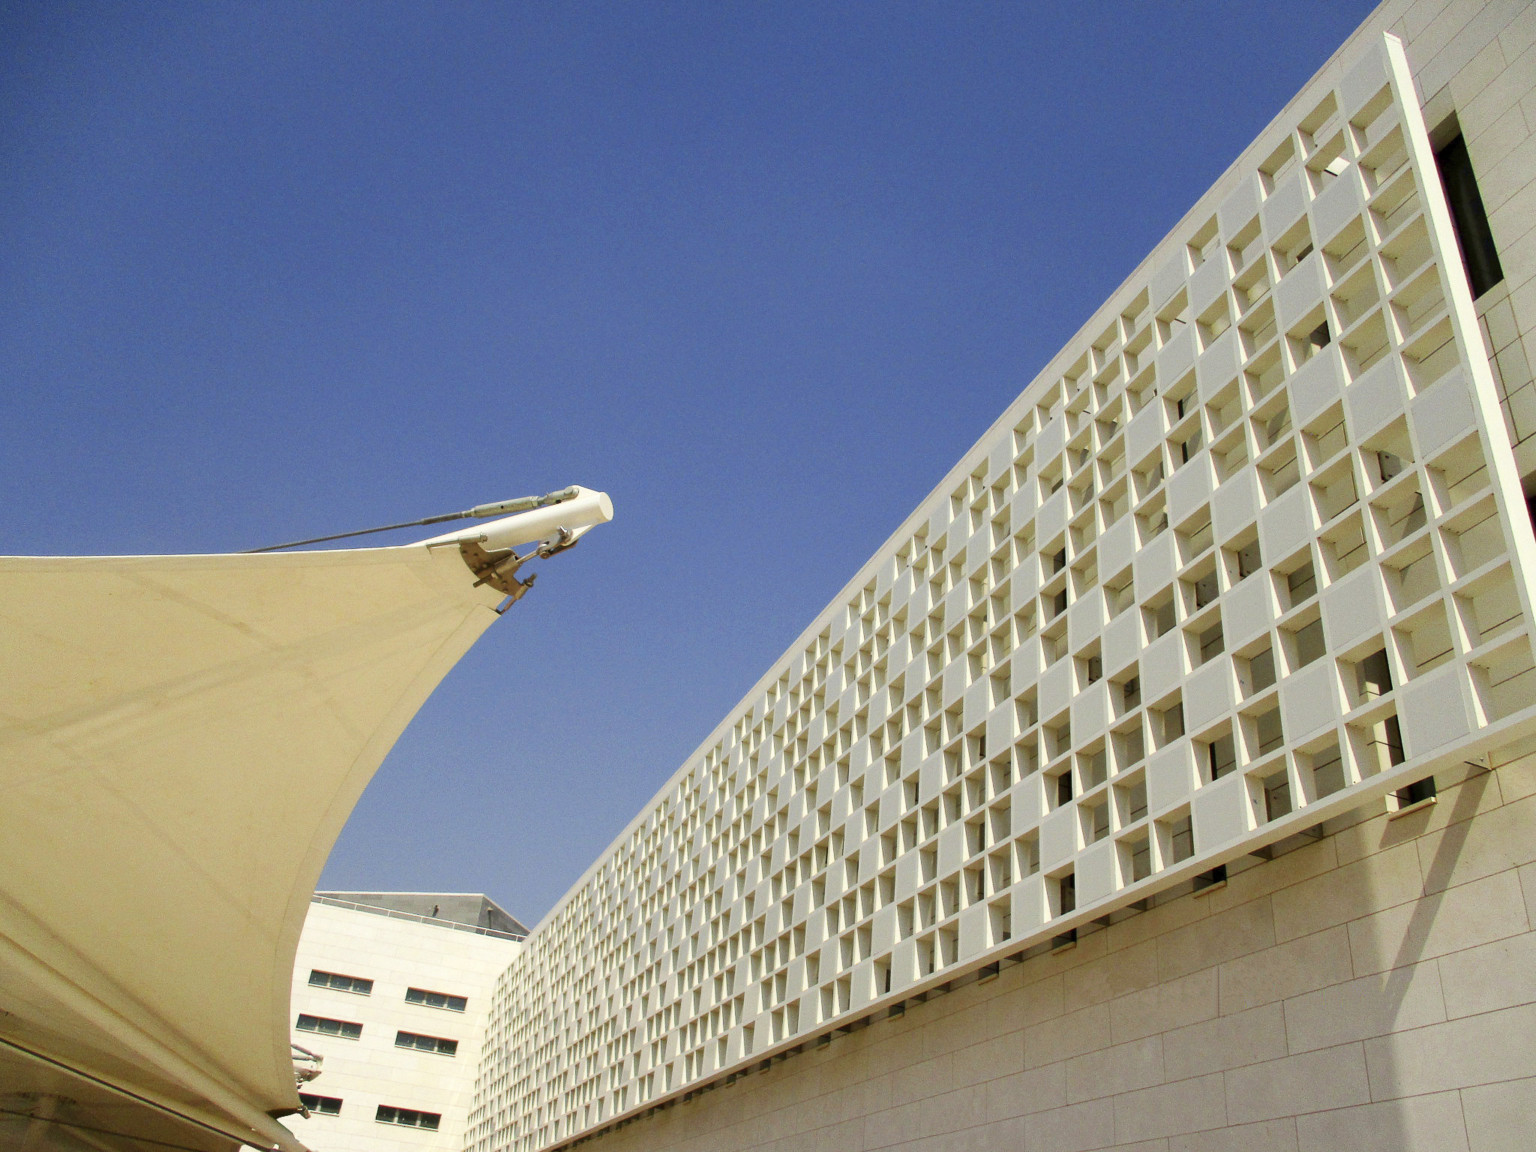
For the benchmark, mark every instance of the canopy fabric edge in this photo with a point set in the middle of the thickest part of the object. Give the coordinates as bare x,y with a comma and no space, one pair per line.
182,739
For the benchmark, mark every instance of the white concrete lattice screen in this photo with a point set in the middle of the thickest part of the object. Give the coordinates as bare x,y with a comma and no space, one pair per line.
1249,553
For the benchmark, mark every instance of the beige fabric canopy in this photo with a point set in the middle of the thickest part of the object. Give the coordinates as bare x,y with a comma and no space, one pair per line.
181,740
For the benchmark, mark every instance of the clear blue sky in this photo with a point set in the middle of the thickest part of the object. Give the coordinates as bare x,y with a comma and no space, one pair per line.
760,271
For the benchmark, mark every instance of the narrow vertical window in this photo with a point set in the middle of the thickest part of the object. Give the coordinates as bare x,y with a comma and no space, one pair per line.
1473,235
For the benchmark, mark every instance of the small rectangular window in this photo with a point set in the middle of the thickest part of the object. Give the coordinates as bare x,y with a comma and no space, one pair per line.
1209,879
1131,692
1066,894
1308,643
1268,734
426,1043
1300,585
1181,839
1416,792
327,1027
1212,642
1221,756
1205,590
1248,560
1277,796
1374,675
435,999
1160,618
319,979
321,1105
1141,859
1261,670
1171,721
408,1117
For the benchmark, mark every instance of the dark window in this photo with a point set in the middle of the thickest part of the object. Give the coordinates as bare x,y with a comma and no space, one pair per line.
1473,236
1395,755
1248,560
435,999
1417,791
1374,676
1141,860
1277,796
426,1043
1182,839
1066,889
408,1117
319,979
1261,669
1173,722
1217,875
321,1105
1221,756
343,1028
1301,584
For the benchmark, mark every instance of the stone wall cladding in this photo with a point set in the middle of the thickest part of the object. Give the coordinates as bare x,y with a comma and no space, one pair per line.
1373,990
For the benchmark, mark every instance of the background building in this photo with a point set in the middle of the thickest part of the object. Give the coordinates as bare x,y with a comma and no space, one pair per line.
392,991
1166,780
181,740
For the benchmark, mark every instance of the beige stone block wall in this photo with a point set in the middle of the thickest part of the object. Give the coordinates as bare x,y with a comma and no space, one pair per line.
1477,58
1375,989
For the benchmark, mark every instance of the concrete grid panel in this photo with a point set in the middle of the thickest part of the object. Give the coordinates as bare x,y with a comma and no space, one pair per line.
1250,553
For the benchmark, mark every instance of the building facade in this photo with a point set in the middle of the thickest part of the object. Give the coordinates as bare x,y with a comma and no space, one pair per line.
1168,779
391,991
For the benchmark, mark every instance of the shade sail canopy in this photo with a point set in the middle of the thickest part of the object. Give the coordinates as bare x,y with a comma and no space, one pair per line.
181,741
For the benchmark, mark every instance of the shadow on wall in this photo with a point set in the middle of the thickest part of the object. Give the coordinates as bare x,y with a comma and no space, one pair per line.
1407,991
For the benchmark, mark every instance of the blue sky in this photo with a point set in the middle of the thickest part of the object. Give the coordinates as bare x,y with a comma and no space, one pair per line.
760,271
